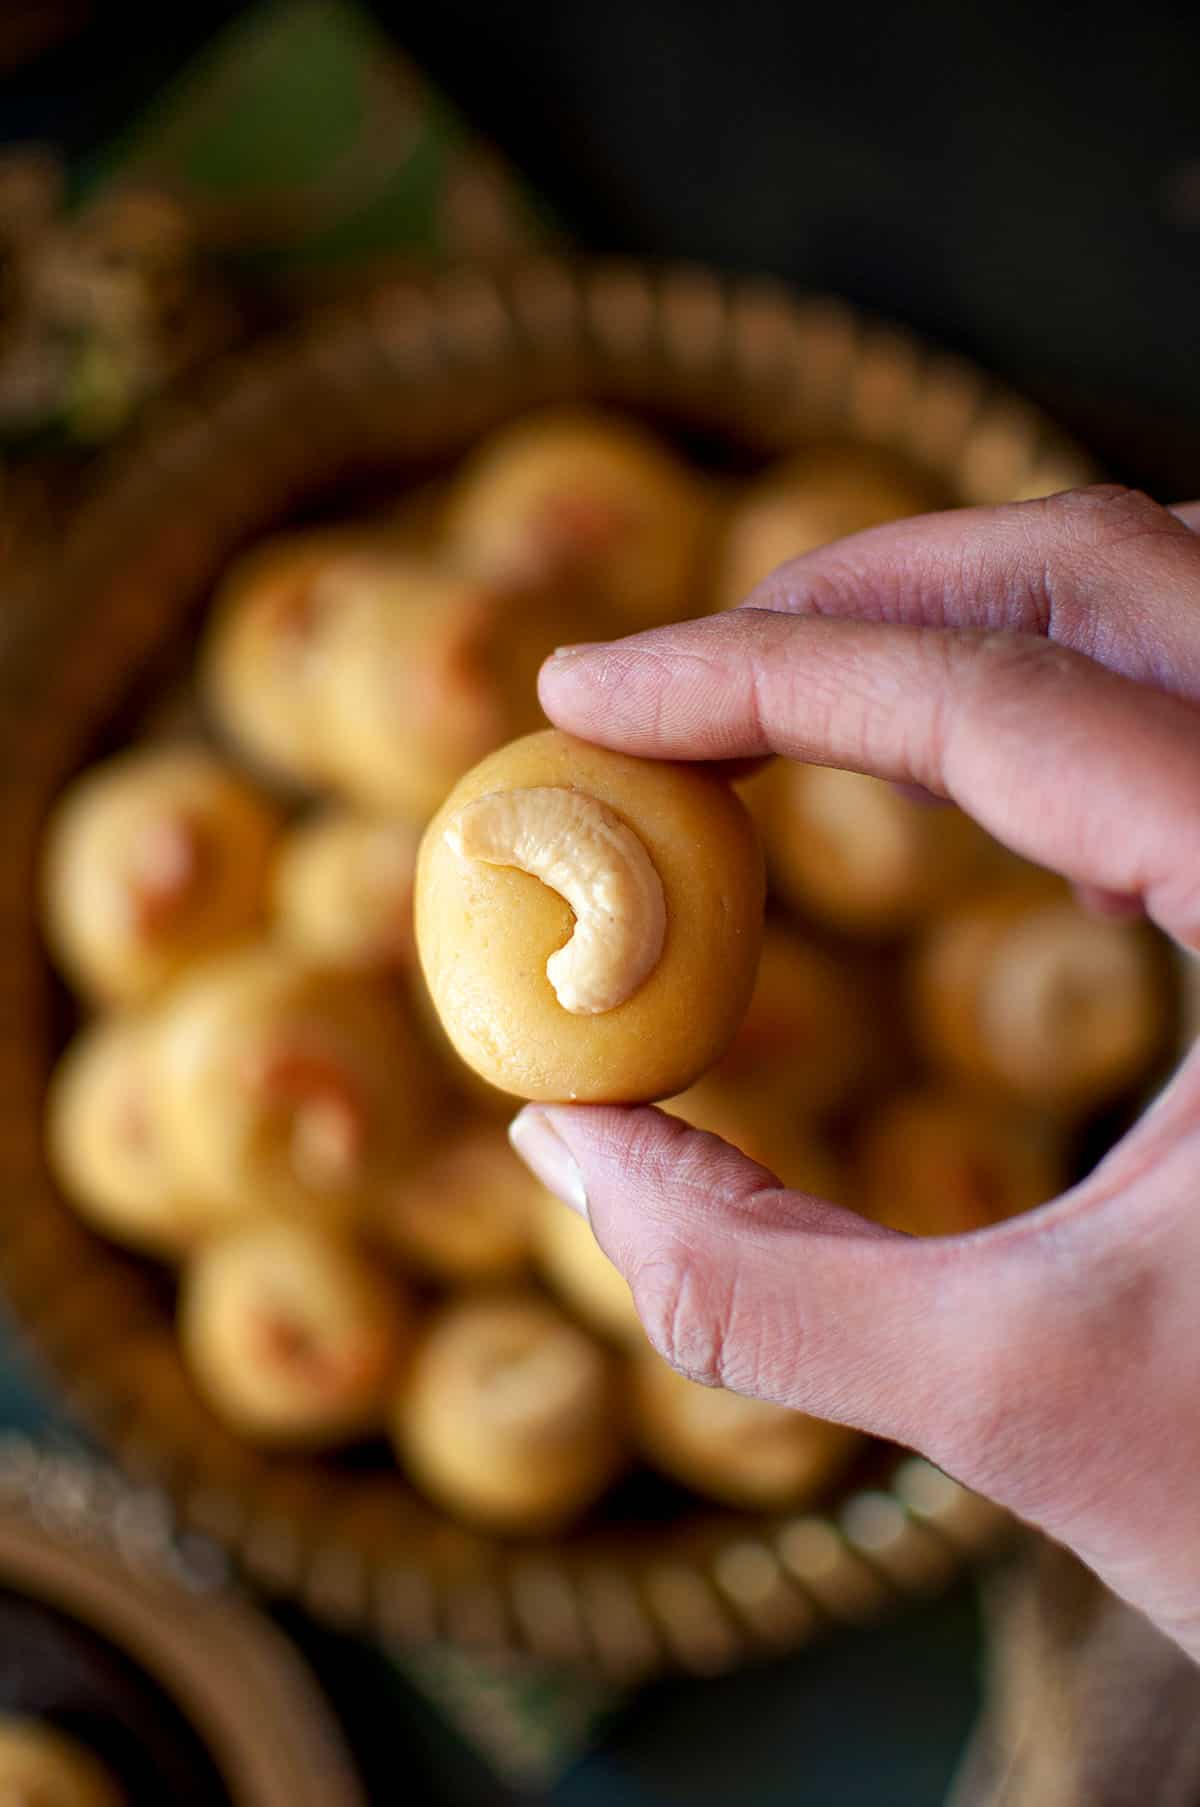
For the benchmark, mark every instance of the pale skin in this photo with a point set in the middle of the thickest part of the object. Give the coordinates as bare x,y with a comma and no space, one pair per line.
1039,664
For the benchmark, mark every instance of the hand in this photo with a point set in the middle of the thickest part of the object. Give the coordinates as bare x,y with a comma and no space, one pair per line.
1040,665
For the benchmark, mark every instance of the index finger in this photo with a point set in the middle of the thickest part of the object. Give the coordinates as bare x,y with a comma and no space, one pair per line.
1105,571
1067,763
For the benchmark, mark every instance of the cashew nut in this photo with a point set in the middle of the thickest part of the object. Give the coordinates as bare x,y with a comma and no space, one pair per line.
580,848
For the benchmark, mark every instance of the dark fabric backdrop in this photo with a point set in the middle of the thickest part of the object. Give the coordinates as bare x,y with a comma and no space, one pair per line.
1019,180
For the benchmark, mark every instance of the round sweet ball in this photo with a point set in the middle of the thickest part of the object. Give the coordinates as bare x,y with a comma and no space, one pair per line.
808,501
856,854
510,1415
769,1128
265,652
290,1088
578,1270
588,923
743,1452
153,860
812,1036
292,1336
936,1163
571,500
106,1146
1023,991
42,1767
343,890
462,1215
426,672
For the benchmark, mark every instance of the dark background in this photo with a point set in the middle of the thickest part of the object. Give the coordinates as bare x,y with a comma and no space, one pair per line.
1019,181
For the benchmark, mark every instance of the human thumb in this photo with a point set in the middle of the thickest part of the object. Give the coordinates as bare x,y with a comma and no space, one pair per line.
742,1283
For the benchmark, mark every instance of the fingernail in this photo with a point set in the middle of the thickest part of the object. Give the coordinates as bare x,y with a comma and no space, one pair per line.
543,1151
573,651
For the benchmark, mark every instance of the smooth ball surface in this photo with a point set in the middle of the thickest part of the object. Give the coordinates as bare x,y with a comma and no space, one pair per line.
1026,993
587,502
510,1414
579,1271
855,853
265,655
154,860
743,1452
933,1163
290,1088
808,501
292,1336
462,1215
814,1034
485,932
106,1145
426,671
342,890
768,1128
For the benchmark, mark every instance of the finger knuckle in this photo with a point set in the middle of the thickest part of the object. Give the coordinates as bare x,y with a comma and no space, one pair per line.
1000,677
1086,532
1107,514
685,1311
1023,676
